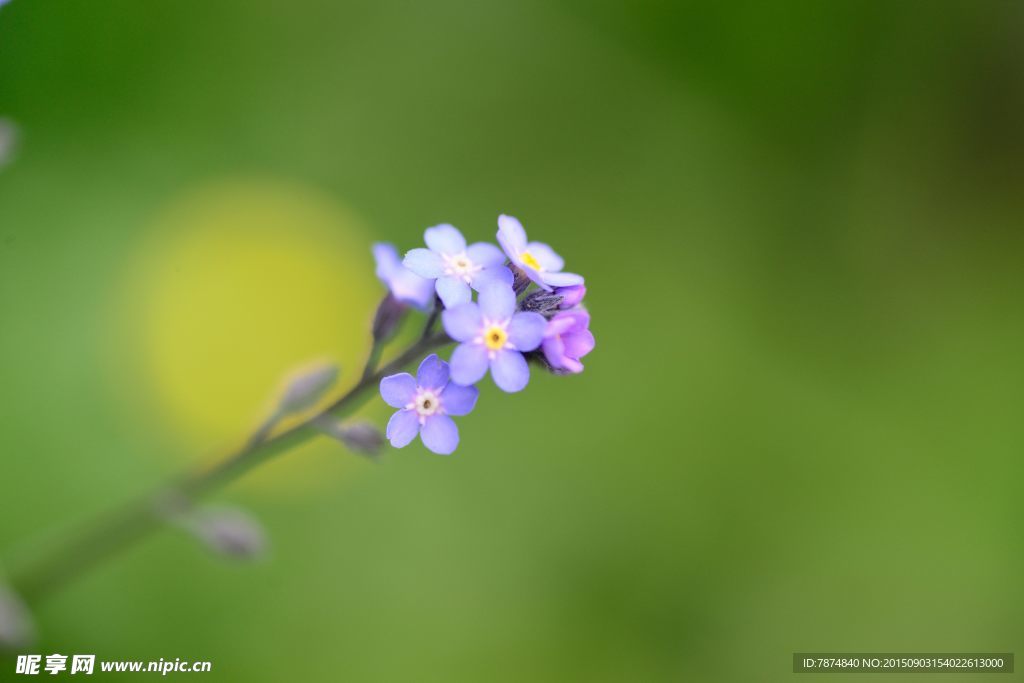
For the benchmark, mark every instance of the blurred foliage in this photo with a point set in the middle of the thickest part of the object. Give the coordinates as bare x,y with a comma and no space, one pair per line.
801,227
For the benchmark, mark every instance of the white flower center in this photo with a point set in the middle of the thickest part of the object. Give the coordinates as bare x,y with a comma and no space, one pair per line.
460,266
426,403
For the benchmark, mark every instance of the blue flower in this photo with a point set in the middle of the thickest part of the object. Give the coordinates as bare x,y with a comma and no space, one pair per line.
405,285
456,267
539,261
425,403
494,336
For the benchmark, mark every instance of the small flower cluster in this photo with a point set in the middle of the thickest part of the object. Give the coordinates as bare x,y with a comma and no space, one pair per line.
526,308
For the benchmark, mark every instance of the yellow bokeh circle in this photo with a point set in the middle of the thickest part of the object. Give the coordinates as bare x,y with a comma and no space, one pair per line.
235,286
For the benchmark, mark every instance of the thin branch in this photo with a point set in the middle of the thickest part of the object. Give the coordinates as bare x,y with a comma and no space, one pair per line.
372,359
428,328
264,430
133,522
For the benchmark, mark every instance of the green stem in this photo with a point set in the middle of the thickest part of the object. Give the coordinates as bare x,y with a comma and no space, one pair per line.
435,312
119,530
373,359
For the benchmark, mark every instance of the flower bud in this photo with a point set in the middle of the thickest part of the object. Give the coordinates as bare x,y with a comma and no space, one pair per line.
567,339
16,627
571,296
520,280
227,531
388,317
360,437
543,302
307,387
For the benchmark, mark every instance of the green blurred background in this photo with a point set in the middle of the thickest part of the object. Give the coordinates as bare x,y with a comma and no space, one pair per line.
800,225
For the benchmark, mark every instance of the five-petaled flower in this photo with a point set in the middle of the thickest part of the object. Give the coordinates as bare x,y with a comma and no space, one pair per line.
405,285
456,267
425,404
567,339
539,261
493,335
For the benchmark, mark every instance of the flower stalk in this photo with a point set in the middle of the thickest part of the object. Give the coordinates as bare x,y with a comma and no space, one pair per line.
504,328
107,537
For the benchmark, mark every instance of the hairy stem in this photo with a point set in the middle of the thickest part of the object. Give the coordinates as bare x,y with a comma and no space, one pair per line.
133,522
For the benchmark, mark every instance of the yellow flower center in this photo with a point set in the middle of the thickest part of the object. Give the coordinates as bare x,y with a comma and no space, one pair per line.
495,338
528,259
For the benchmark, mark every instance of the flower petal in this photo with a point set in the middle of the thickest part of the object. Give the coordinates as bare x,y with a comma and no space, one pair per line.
581,316
405,285
453,291
410,288
559,325
554,351
398,390
511,235
526,330
533,275
578,344
485,254
468,364
572,365
458,400
402,428
490,275
424,263
571,296
564,321
444,239
433,373
561,279
387,260
546,256
497,301
440,434
463,322
510,371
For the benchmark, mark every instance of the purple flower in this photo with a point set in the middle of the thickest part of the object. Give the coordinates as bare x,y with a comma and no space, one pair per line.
571,296
536,259
493,335
455,266
405,285
424,405
567,339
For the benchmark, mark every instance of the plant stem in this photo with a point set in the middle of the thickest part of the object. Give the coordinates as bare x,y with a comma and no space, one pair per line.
428,329
373,359
133,522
